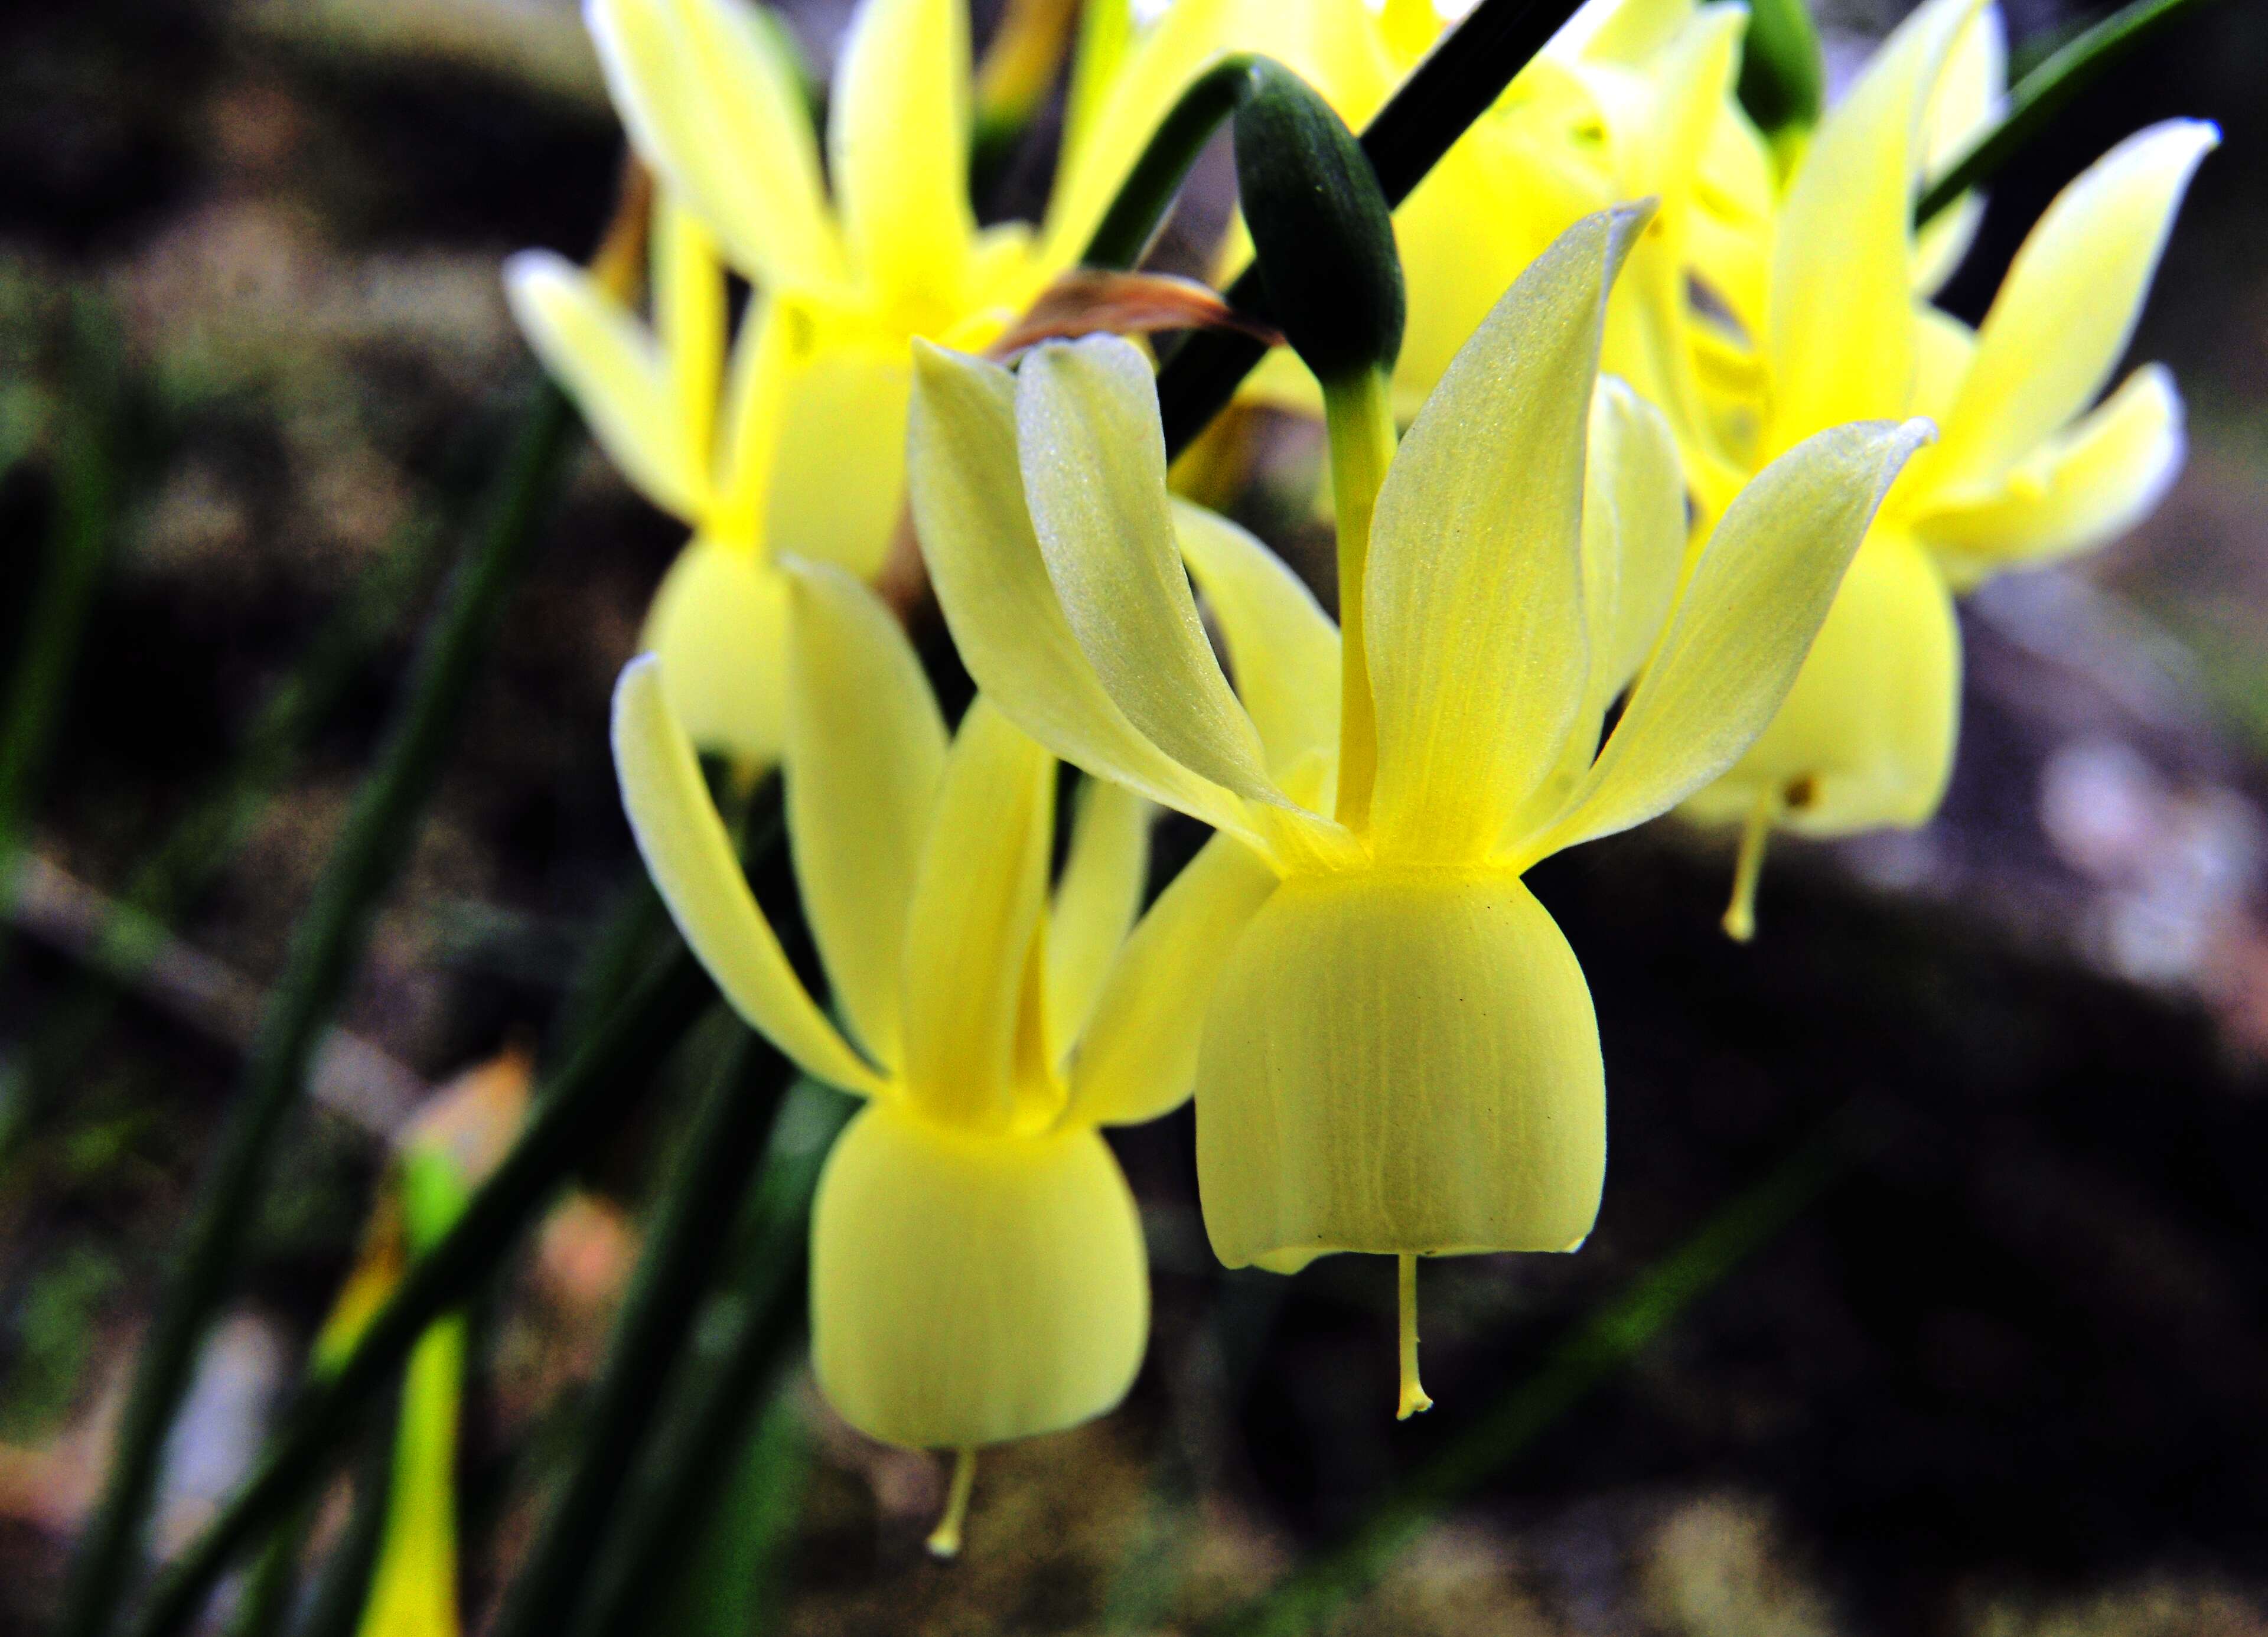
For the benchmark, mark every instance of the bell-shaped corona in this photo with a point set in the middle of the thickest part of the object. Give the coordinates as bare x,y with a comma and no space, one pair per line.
1440,1018
967,1290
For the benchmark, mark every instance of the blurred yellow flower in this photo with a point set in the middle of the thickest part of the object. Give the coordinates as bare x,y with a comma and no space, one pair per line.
797,444
2026,472
977,1266
1400,1056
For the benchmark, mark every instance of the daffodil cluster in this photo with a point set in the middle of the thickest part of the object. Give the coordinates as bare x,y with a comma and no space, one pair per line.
1665,529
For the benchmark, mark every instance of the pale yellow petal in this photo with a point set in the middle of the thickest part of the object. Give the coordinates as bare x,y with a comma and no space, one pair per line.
1283,646
1753,605
898,146
978,893
865,748
1138,1057
1634,534
1399,1063
965,1291
1474,603
1840,336
1095,903
993,584
1865,737
1971,96
608,363
720,626
2067,308
773,342
1093,456
711,101
688,322
690,858
1944,349
2088,486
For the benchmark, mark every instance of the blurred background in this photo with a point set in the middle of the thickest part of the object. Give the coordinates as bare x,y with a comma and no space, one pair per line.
2006,1374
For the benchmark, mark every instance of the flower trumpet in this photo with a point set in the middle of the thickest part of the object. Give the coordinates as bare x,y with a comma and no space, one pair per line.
1399,1055
977,1266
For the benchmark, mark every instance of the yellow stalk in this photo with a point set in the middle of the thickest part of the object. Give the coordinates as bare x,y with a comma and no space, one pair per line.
944,1540
1740,922
1359,414
1414,1401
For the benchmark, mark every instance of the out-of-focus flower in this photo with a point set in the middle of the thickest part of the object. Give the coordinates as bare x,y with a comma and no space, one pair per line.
1399,1055
977,1266
797,444
2026,472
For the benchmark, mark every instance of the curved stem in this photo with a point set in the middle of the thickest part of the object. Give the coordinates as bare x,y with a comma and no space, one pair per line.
944,1540
1147,194
2043,93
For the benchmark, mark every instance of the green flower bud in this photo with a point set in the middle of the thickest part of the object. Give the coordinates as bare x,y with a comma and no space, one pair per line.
1321,229
1783,77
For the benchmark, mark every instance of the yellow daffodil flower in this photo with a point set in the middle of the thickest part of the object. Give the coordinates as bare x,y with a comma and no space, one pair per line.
977,1264
1400,1056
797,444
2027,472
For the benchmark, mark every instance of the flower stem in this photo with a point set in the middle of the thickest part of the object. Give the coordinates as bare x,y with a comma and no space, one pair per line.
1147,194
1359,414
944,1540
1414,1398
1740,922
1454,86
2043,93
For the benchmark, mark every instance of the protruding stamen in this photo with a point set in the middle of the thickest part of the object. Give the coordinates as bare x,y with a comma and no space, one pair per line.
944,1540
1740,922
1413,1392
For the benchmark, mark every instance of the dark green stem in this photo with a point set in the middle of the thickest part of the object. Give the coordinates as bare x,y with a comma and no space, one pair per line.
325,946
1147,195
585,1102
1454,85
710,1174
1598,1347
342,1587
757,1320
2043,93
85,507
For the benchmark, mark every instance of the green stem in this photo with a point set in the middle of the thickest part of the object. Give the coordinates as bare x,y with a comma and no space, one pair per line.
1358,416
2043,93
739,1352
710,1174
86,507
342,1587
1147,194
325,946
585,1102
1602,1344
1454,85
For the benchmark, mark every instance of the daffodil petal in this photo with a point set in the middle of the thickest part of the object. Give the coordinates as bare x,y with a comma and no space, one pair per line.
2090,485
1755,600
610,365
2067,308
1970,97
1633,534
898,143
1944,349
689,319
977,897
690,858
1474,599
1283,646
965,1290
1094,475
709,99
993,584
1840,336
1095,903
719,625
1138,1057
865,747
